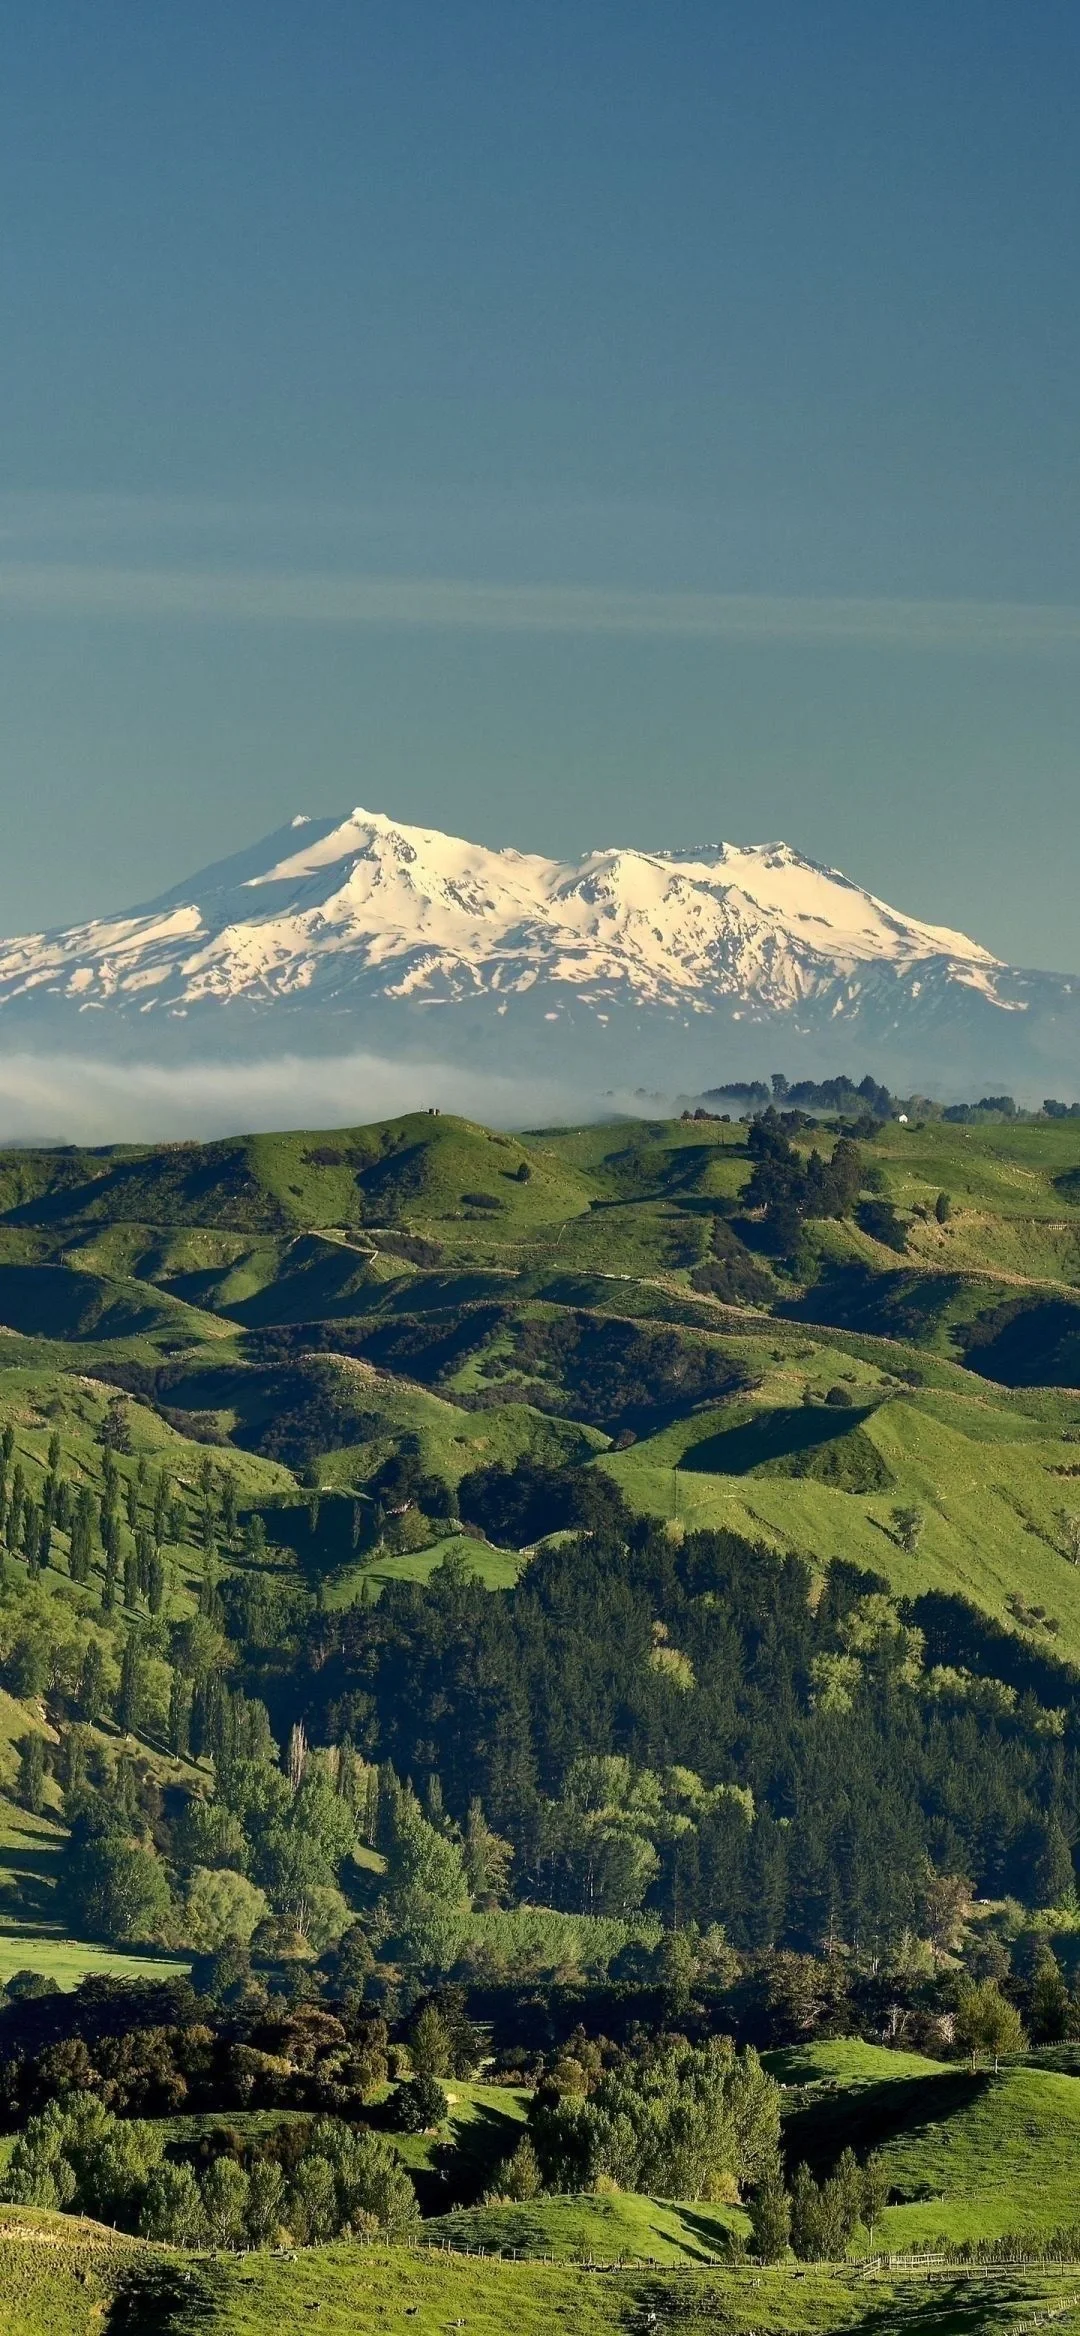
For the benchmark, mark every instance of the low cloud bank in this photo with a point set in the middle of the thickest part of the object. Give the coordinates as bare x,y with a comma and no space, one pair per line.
68,1098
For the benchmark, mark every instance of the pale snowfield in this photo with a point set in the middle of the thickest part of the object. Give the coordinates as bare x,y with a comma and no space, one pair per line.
367,904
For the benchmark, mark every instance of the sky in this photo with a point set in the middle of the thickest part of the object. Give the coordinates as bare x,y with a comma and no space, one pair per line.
566,423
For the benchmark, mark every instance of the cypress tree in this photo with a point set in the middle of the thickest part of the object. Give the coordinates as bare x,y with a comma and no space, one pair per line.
93,1699
179,1716
155,1587
82,1536
13,1524
31,1537
32,1773
108,1587
130,1699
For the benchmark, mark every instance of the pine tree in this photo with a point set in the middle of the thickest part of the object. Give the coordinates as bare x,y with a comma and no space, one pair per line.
53,1456
1055,1881
131,1578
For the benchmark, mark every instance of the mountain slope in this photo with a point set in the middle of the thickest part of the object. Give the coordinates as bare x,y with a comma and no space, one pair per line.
647,963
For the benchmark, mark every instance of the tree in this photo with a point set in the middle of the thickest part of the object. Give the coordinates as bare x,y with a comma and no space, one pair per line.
374,2191
129,1702
875,2192
425,1888
420,2106
155,1584
943,1208
93,1692
908,1527
677,2120
1049,1999
225,2196
32,1773
221,1905
770,2219
518,2177
179,1721
986,2022
108,1586
429,2043
115,1432
119,1892
1055,1881
946,1908
172,2207
82,1536
266,2203
806,2230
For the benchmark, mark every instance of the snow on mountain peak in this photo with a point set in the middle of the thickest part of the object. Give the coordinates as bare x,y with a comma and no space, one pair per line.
364,907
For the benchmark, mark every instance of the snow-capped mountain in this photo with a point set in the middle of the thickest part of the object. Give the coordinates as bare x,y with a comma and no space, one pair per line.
365,931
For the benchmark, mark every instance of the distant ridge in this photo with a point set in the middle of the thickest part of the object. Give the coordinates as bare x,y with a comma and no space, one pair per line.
632,965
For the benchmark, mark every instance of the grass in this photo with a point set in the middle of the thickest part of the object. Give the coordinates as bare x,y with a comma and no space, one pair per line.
25,1948
191,1254
344,2289
498,1569
621,2228
484,2122
985,1473
968,2156
58,2275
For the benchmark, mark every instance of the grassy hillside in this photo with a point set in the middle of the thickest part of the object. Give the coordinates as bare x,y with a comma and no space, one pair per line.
624,2228
58,2275
326,1299
968,2156
423,2293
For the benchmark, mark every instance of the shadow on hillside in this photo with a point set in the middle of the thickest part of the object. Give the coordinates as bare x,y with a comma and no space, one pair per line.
861,2117
785,1435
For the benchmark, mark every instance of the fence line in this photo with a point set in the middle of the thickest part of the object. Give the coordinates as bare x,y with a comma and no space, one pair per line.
949,2265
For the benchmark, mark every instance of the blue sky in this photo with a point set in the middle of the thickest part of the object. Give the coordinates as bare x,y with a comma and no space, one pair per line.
566,423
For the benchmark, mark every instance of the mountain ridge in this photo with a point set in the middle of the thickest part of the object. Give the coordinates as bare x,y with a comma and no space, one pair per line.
642,963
